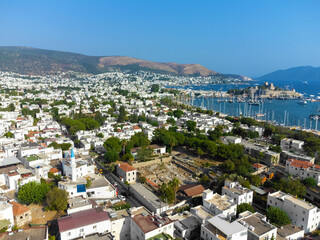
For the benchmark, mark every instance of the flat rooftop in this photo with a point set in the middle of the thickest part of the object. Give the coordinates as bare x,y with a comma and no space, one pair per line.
148,195
34,233
201,212
283,196
285,231
258,221
221,202
148,223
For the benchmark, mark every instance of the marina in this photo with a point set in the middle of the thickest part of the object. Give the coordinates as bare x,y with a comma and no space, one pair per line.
301,113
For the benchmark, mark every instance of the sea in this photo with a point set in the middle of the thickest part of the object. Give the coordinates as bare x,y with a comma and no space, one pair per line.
284,112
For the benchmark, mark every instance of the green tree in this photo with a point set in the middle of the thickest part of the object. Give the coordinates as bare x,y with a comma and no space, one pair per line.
294,187
191,125
229,166
165,137
122,114
310,182
57,199
33,192
244,207
155,88
171,121
100,135
11,107
167,193
143,154
113,143
142,179
111,156
277,216
204,179
255,180
178,113
9,135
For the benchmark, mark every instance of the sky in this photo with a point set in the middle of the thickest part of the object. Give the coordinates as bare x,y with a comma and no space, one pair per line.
248,37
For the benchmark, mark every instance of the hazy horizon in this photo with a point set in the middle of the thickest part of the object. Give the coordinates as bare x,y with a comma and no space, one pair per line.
250,38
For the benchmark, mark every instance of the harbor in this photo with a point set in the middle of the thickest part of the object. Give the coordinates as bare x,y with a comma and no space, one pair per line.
286,108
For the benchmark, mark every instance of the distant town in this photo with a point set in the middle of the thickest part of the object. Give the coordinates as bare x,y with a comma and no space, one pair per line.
120,155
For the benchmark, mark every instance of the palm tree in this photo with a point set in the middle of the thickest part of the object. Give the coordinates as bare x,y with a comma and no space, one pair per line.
175,185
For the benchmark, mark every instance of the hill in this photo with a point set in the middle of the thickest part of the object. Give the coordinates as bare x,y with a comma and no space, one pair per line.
304,73
25,60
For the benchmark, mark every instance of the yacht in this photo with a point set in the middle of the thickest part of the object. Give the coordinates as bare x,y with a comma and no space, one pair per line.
303,102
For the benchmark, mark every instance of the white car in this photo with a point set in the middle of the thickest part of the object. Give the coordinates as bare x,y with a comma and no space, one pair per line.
122,198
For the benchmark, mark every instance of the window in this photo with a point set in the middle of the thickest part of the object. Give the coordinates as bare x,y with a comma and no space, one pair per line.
94,226
69,233
302,219
81,230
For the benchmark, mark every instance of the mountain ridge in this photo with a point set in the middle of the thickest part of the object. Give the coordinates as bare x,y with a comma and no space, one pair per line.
300,73
33,61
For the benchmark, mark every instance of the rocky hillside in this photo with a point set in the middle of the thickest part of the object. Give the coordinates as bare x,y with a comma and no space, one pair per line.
26,60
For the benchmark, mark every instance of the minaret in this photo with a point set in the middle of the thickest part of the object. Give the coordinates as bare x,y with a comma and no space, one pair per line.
73,166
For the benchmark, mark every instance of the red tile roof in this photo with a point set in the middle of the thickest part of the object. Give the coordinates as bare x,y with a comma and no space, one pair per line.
54,170
149,223
257,165
299,164
126,167
192,189
83,218
18,209
152,183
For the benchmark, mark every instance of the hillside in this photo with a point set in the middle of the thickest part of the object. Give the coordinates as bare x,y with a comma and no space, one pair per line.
304,73
27,60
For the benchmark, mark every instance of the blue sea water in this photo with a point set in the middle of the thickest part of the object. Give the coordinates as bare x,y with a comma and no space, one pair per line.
287,112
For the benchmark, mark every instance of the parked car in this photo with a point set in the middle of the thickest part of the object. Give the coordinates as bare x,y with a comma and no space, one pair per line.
127,195
121,197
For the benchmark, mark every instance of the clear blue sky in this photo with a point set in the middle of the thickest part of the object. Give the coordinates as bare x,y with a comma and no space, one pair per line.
229,36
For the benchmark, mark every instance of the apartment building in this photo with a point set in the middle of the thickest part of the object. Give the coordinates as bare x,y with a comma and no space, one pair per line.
218,204
303,169
301,213
220,227
235,191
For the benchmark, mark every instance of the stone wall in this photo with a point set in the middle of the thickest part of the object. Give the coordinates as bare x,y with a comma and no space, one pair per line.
159,160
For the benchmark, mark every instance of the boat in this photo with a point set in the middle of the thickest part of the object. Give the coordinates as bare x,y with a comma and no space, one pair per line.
305,82
303,102
255,103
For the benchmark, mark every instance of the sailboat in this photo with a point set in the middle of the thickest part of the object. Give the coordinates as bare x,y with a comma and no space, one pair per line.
316,113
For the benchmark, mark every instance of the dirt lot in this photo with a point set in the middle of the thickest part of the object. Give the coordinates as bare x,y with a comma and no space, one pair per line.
39,216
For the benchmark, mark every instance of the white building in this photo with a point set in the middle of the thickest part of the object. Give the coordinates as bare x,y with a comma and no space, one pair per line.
232,139
220,227
6,215
301,213
126,173
120,224
84,223
145,226
75,169
303,169
291,144
257,225
238,193
218,204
